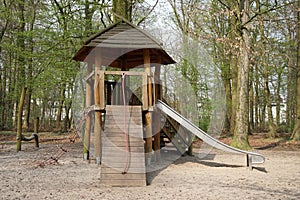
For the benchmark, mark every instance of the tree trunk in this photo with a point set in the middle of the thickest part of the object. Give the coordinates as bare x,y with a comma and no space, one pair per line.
234,97
240,138
296,131
29,72
228,116
271,125
27,109
256,99
2,97
123,8
20,114
278,98
60,106
251,103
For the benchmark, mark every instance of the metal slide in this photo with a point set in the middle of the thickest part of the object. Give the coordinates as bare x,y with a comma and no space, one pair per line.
252,158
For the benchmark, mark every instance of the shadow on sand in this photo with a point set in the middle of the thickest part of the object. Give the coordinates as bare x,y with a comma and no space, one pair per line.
173,157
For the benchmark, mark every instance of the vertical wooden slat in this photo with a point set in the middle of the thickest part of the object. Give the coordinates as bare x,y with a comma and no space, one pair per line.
156,114
101,91
98,122
88,122
148,114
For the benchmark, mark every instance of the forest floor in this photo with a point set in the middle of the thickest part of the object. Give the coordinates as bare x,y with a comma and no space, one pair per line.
218,176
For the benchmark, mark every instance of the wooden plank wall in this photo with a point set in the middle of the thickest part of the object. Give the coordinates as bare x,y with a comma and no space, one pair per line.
114,147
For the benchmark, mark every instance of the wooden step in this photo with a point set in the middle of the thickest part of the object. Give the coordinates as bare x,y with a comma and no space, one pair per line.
116,170
126,182
176,141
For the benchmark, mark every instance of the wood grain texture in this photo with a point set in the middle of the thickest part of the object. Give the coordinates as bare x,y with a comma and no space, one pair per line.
115,154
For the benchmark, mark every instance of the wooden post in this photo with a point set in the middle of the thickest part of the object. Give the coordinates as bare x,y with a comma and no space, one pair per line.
20,113
156,117
88,122
36,131
98,121
101,91
148,114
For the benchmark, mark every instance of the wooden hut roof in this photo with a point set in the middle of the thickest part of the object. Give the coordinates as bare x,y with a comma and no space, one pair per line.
121,45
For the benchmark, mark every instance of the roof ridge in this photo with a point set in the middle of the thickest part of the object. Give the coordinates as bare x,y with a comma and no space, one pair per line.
139,29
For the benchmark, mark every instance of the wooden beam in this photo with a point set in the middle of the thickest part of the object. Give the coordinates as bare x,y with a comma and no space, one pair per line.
148,71
148,114
148,136
88,122
101,91
156,115
98,121
129,73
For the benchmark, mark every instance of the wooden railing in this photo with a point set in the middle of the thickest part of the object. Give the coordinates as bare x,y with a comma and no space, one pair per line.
100,87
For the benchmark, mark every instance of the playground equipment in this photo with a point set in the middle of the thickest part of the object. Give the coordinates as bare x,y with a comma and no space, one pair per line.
34,136
252,158
128,123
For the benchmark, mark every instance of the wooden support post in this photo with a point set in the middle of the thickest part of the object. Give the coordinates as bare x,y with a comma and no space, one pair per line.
156,115
148,114
101,91
98,121
88,122
36,131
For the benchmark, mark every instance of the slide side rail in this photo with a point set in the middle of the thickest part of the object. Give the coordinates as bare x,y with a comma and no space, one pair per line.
252,157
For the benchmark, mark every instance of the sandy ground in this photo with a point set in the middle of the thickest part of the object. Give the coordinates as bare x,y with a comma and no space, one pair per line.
223,176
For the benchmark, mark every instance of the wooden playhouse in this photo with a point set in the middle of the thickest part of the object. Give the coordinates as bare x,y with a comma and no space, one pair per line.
123,130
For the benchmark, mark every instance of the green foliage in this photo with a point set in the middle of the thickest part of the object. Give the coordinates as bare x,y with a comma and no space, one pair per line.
204,123
40,55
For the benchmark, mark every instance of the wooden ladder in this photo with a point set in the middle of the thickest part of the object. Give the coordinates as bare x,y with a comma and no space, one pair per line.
114,151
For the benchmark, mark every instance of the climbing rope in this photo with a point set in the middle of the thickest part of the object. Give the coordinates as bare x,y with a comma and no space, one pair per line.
125,128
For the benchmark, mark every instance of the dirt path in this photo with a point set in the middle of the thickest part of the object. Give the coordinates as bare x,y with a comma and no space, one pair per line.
224,177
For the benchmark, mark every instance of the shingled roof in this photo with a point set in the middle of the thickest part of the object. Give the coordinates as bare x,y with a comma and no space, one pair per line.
123,42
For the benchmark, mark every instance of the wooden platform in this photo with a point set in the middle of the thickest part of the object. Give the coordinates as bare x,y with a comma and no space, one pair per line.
114,151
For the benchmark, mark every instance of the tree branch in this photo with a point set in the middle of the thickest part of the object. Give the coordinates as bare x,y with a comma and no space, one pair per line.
266,11
228,7
143,19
